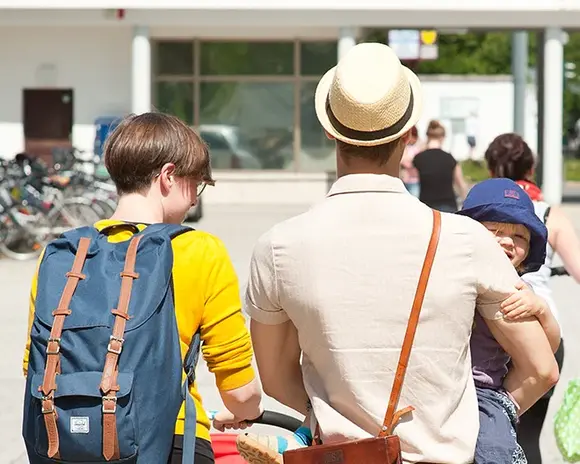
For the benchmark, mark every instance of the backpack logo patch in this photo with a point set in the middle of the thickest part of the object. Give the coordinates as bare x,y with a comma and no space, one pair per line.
79,425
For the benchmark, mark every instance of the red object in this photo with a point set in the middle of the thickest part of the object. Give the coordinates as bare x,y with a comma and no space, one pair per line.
531,189
224,448
120,14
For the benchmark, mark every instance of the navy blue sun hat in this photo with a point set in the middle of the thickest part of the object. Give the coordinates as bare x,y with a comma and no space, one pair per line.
502,200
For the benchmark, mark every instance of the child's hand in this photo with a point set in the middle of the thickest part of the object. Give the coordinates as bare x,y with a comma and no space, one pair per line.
226,420
523,303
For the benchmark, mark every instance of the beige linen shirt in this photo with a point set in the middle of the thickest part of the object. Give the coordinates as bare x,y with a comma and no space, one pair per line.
345,273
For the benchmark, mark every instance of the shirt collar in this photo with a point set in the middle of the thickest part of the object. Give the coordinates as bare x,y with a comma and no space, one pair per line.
360,183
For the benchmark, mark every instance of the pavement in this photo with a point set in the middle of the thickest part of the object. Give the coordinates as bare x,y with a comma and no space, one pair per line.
239,227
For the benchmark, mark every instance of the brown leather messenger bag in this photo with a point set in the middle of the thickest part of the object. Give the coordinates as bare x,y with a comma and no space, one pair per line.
386,448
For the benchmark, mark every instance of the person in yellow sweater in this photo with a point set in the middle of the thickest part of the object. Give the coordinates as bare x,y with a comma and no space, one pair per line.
160,166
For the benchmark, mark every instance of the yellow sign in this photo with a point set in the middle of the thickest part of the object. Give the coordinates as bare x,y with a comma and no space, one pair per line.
428,37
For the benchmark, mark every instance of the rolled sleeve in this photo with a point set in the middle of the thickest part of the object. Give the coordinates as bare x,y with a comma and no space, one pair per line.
262,298
495,275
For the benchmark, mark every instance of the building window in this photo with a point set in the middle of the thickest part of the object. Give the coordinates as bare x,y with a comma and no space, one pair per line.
175,98
247,58
252,102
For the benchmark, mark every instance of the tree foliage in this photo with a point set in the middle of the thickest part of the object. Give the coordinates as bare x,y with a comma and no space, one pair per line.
490,53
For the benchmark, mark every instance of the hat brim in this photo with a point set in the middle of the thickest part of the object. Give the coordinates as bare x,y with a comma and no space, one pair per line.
515,215
321,96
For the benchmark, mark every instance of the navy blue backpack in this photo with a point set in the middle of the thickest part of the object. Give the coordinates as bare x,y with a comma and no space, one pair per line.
105,373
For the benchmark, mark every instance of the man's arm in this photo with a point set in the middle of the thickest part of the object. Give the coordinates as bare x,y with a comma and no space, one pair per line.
274,336
534,369
278,357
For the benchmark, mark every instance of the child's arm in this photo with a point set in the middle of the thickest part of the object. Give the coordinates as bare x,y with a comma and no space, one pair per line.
525,303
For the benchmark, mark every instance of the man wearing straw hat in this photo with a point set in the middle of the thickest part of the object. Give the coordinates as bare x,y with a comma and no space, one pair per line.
330,291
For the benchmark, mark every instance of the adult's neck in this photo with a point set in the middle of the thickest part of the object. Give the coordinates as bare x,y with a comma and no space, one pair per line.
434,144
140,208
362,166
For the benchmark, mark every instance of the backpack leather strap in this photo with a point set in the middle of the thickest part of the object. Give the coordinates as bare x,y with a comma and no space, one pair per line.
109,385
48,386
392,416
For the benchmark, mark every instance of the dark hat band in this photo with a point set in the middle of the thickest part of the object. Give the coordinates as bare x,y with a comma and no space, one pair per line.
370,135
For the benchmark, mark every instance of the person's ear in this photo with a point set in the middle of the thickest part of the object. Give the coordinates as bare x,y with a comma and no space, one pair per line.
329,136
166,177
407,136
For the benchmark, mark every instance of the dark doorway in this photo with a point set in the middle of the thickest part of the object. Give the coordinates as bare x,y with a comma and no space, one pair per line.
47,120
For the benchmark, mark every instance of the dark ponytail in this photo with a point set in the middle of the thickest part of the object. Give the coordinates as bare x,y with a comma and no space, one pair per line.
509,156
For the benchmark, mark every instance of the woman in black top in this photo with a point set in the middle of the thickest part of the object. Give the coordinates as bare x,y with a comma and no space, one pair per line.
439,172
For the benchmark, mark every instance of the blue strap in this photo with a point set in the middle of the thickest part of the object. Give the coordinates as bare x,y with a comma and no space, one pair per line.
189,365
190,426
173,230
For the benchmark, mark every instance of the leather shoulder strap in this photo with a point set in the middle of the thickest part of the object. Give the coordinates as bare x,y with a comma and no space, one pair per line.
392,417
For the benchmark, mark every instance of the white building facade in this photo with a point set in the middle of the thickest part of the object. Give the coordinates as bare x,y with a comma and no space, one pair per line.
242,72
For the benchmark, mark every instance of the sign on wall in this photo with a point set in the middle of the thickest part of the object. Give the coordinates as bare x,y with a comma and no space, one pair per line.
413,44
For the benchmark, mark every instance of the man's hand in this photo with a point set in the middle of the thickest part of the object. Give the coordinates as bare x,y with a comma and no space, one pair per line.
523,303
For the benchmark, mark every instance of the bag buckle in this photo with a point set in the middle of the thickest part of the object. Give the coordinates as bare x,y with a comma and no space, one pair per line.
106,401
49,410
57,349
110,348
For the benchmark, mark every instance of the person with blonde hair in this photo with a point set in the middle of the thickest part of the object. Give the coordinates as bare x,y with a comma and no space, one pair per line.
440,174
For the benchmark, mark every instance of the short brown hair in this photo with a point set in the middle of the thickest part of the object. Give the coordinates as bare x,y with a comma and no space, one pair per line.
141,144
435,130
378,153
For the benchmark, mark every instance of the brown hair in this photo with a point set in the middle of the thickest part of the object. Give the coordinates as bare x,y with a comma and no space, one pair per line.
378,153
141,144
435,130
508,155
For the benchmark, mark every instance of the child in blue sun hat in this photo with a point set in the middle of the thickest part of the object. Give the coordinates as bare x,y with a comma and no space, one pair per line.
508,213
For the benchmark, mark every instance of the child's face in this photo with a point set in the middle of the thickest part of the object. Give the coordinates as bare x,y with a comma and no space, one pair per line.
513,238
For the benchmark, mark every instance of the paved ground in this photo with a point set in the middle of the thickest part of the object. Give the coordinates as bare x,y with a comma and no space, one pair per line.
239,227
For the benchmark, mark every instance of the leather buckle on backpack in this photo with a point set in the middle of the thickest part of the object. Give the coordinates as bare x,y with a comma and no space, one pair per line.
112,399
110,348
49,410
55,351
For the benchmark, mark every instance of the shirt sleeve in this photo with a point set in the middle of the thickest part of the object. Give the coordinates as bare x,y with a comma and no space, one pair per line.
31,309
262,298
226,347
496,277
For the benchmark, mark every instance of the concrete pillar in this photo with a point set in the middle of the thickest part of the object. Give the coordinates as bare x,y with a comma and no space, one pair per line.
519,73
540,105
141,71
346,40
553,107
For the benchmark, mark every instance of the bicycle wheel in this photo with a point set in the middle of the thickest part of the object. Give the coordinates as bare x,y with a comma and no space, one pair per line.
24,232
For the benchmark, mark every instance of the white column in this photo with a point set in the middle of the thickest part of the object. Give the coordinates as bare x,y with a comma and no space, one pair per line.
346,40
141,71
553,107
520,73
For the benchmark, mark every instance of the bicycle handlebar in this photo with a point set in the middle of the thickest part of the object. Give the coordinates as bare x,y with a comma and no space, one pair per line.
277,419
559,271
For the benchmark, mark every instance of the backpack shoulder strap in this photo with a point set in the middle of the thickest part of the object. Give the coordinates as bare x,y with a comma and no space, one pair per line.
109,379
52,368
172,230
392,417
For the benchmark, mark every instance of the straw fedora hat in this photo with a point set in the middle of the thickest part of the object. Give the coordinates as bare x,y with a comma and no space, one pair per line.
369,98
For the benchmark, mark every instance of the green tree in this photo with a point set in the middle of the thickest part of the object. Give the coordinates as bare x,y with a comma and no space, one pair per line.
490,53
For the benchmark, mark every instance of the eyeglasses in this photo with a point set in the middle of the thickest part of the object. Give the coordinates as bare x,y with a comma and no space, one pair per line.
201,187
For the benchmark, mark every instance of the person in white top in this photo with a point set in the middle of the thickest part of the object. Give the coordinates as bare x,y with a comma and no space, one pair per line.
330,291
510,156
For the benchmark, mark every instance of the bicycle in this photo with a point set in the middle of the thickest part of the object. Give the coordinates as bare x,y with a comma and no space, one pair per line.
224,444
